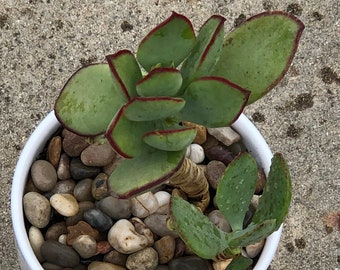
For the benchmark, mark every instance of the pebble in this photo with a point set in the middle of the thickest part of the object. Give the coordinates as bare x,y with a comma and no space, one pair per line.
98,219
65,204
115,208
55,230
142,229
44,175
64,186
51,266
260,182
104,266
97,155
163,199
226,135
63,170
83,206
83,190
115,257
195,153
37,209
29,186
162,267
54,150
103,247
145,259
73,144
99,186
214,172
217,218
79,229
157,224
36,239
221,265
80,171
63,239
255,201
201,135
254,249
85,245
144,205
180,247
220,153
189,263
165,248
52,251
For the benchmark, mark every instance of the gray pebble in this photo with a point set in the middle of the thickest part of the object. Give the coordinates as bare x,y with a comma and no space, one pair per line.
226,135
214,172
220,153
157,224
83,206
64,186
63,170
115,257
189,263
83,190
97,155
80,171
37,209
99,187
73,144
55,230
115,208
145,259
217,218
98,220
165,248
44,175
85,245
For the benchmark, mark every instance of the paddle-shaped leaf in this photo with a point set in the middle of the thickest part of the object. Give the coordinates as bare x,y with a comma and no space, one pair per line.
196,230
213,102
160,82
88,101
236,188
168,44
275,200
170,140
150,169
257,54
153,108
126,73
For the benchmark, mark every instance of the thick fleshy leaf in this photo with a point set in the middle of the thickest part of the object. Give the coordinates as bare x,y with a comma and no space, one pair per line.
257,54
170,140
153,108
126,73
125,136
275,200
168,44
239,263
150,169
236,188
160,82
196,230
88,101
205,53
213,102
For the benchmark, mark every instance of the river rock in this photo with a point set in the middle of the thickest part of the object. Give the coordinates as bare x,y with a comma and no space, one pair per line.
81,228
157,224
104,266
195,153
52,251
165,248
63,170
65,204
37,209
144,205
85,245
97,155
189,263
221,265
80,171
83,206
115,208
217,218
64,186
73,144
98,219
55,230
260,182
36,239
163,199
99,186
44,175
145,259
103,247
226,135
83,190
220,153
254,249
115,257
214,172
54,150
51,266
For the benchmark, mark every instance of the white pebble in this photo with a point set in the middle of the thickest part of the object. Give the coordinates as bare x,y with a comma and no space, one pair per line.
195,153
144,205
36,239
163,199
65,204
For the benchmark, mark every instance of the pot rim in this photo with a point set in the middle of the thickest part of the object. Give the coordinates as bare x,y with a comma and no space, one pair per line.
253,140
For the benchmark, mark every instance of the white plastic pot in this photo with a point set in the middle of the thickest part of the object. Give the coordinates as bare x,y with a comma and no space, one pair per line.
252,138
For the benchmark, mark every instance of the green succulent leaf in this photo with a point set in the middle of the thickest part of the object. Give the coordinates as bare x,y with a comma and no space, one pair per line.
205,53
126,73
196,230
168,44
213,102
160,82
257,54
275,200
170,140
144,172
88,101
236,188
153,108
239,263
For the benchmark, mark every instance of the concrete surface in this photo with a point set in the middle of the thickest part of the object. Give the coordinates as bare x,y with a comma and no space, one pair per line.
44,41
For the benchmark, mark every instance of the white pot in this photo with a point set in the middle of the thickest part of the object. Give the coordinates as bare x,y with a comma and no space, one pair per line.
252,138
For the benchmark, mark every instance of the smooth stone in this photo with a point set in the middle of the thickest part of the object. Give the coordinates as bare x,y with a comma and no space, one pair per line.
163,199
63,239
109,168
255,249
65,204
201,132
51,266
83,206
226,135
249,216
83,190
255,201
165,248
115,208
85,245
64,186
180,247
221,265
189,263
44,175
260,182
81,228
162,267
63,170
195,153
99,186
158,225
55,230
80,171
115,257
145,259
54,150
104,266
36,239
220,153
142,229
217,218
29,186
97,155
52,251
214,172
98,219
144,205
37,209
73,144
103,247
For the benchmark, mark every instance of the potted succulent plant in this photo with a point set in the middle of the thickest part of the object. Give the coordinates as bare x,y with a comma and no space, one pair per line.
144,106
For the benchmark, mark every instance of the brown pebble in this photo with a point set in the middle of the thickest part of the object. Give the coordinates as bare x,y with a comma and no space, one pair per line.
103,247
55,230
97,155
260,182
54,150
73,144
80,228
165,248
214,172
115,257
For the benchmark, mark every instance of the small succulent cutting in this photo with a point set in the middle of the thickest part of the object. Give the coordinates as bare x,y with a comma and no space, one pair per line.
140,102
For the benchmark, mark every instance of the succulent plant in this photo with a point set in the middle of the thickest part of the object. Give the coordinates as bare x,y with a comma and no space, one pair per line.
140,102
